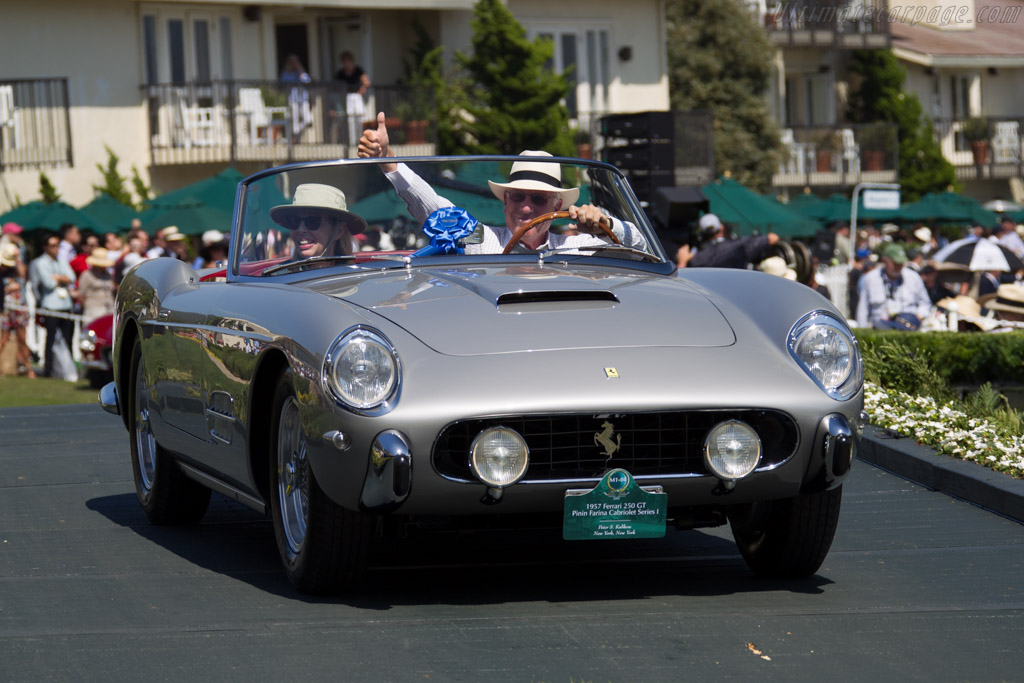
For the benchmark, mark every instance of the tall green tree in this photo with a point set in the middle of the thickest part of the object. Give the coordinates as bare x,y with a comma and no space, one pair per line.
720,59
506,97
113,182
47,192
878,95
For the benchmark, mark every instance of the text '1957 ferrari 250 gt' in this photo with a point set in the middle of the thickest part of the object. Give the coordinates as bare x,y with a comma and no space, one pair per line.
474,338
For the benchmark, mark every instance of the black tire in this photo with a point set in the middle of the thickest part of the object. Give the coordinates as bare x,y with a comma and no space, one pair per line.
324,547
787,538
166,495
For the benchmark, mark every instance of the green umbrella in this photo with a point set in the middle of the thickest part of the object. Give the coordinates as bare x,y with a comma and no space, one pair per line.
949,206
748,211
837,208
110,213
191,217
39,215
217,191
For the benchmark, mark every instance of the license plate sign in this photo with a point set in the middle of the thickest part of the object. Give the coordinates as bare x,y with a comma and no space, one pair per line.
616,508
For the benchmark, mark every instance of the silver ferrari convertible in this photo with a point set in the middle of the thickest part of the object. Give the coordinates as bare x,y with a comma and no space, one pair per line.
476,339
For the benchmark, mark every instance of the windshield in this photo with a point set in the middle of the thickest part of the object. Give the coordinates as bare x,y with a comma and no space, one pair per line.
393,212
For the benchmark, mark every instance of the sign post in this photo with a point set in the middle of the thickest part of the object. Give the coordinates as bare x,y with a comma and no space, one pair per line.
876,196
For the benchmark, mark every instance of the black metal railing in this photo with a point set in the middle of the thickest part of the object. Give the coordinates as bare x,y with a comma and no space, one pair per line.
838,155
274,121
853,24
35,123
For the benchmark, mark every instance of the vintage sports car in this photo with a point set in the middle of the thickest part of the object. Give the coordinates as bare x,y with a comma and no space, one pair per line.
478,339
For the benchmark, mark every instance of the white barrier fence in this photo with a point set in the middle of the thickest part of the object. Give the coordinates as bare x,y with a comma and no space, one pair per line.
837,279
35,335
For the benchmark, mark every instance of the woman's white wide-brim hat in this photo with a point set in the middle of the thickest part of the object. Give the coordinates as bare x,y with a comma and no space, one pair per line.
325,199
536,175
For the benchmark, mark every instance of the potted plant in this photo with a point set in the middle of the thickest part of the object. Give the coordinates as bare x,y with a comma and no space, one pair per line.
825,146
584,149
875,142
975,132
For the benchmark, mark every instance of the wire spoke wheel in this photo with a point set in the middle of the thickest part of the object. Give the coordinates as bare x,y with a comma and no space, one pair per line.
292,478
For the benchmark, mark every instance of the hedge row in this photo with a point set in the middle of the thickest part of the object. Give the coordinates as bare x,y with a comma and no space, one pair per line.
960,358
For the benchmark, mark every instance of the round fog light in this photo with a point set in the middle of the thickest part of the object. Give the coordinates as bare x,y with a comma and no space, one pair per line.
499,456
732,450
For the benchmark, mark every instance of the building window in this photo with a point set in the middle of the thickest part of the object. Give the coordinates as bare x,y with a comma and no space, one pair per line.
583,51
186,47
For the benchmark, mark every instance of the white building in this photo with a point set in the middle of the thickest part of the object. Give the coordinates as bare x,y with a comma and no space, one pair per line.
181,90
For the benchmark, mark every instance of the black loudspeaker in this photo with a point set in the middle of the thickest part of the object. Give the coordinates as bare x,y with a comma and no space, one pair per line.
656,155
251,12
678,208
647,125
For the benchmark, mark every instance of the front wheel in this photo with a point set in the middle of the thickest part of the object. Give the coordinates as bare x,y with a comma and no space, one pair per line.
323,546
166,495
787,538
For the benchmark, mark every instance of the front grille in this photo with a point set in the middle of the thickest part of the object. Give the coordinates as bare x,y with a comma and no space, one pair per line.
572,446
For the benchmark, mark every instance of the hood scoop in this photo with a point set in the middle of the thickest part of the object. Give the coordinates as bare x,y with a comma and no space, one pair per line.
522,301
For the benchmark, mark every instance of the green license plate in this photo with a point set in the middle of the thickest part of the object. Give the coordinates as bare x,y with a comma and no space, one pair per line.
616,508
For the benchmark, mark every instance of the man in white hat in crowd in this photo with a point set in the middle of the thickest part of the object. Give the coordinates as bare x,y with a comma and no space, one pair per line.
534,188
1007,304
319,221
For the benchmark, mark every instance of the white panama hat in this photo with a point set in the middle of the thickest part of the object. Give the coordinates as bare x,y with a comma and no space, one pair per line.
776,265
323,198
536,175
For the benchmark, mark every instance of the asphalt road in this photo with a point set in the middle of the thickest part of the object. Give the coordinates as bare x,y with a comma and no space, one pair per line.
918,586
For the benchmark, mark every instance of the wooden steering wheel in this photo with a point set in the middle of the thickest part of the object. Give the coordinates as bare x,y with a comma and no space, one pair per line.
605,224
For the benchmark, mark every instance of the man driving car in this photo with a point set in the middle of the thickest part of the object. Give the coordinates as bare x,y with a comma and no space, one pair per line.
534,188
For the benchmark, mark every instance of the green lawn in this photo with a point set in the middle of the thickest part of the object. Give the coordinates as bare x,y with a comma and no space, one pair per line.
21,391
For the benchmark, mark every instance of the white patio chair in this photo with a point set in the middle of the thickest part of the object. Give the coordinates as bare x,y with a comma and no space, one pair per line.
253,111
795,155
8,118
851,151
1006,142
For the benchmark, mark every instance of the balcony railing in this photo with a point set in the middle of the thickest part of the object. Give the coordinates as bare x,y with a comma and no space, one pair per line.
35,123
1000,155
853,24
231,121
838,155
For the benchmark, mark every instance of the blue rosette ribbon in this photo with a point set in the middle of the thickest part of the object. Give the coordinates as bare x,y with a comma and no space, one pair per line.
446,228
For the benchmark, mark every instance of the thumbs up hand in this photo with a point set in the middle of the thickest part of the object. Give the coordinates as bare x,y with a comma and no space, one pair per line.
374,141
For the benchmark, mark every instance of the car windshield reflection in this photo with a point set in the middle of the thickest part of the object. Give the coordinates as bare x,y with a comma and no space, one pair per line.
393,213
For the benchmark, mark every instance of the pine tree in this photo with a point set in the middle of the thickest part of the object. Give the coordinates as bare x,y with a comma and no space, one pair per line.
509,99
720,59
47,192
113,181
879,97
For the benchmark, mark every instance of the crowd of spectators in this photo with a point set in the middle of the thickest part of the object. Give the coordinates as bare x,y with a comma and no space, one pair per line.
73,274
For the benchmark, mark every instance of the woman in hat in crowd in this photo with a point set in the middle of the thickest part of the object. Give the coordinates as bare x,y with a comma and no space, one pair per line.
534,188
96,285
12,287
319,221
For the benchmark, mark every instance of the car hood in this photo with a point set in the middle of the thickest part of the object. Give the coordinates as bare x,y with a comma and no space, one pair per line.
492,310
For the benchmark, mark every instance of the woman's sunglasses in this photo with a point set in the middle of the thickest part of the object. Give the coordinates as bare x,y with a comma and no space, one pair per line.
537,199
312,221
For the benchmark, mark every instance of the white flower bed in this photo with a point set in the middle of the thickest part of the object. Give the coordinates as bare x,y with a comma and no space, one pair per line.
945,429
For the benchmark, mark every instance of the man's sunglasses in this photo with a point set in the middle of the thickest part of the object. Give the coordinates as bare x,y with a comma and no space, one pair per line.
537,199
312,221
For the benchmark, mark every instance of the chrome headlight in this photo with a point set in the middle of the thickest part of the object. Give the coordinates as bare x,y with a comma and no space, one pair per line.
499,456
361,370
732,450
827,351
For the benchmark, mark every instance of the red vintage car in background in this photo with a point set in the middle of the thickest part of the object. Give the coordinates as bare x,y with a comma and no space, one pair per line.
95,344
